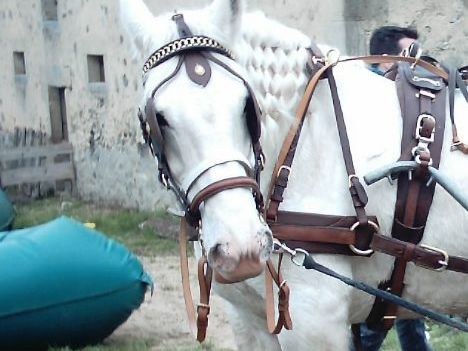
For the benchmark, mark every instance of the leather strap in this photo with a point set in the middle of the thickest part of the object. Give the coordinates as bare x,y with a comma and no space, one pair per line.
420,255
198,321
205,275
286,155
456,80
301,111
284,318
315,228
193,214
414,197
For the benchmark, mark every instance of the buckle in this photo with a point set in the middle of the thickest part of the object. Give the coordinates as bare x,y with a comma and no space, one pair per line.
163,178
354,248
443,263
286,168
350,184
261,160
419,126
418,160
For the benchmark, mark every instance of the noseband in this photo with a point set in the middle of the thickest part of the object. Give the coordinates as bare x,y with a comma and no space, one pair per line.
195,52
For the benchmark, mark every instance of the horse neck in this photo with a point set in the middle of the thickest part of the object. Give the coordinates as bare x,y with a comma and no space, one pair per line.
278,77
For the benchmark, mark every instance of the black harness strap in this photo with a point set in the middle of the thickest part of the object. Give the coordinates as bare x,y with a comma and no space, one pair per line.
310,263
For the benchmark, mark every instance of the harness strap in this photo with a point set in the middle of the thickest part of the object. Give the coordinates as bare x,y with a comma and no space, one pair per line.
300,230
198,320
205,275
309,263
286,155
284,318
193,213
455,80
423,113
358,194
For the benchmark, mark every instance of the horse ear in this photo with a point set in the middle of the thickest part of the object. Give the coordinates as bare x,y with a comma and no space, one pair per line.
227,16
139,22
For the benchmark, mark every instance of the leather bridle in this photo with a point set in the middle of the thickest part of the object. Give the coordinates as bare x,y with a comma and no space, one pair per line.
195,51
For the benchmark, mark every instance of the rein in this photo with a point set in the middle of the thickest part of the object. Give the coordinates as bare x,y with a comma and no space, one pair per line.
302,258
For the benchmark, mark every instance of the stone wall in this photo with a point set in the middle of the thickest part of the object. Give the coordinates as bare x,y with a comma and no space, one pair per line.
112,164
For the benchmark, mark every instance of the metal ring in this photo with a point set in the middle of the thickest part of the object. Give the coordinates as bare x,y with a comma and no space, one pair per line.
333,57
360,252
354,248
295,260
418,160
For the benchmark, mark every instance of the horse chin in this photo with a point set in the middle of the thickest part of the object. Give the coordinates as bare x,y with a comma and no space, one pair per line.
246,268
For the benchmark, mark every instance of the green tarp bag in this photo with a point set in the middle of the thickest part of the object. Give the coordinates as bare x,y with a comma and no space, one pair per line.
7,212
62,284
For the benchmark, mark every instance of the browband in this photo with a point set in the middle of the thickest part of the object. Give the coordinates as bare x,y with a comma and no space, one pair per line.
196,42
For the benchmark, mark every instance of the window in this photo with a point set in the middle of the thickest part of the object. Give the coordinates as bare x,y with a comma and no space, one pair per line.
96,68
58,114
19,63
49,10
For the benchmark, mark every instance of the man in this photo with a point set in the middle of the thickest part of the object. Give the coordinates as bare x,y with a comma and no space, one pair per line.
392,40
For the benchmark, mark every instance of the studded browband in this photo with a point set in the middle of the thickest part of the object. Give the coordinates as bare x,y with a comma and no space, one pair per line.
195,42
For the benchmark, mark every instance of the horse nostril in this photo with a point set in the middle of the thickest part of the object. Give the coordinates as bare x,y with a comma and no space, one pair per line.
219,253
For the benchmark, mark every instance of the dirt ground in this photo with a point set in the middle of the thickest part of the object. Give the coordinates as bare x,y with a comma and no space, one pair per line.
162,318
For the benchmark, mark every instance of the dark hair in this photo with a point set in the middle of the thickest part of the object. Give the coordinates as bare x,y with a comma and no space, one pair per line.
384,40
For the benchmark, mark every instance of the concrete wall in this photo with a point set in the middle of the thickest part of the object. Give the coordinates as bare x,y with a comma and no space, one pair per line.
113,166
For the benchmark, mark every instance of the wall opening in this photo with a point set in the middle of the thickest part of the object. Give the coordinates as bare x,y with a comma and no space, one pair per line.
49,10
58,114
19,63
96,68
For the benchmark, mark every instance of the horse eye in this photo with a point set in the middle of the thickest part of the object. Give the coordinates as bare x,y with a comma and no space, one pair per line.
161,120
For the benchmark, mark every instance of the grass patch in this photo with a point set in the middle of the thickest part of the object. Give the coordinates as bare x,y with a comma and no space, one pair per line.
442,338
446,338
122,225
132,345
125,226
206,346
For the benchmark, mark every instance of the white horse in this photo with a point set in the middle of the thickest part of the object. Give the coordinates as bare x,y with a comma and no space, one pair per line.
204,123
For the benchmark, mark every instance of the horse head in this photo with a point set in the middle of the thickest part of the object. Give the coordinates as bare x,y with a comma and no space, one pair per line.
204,128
